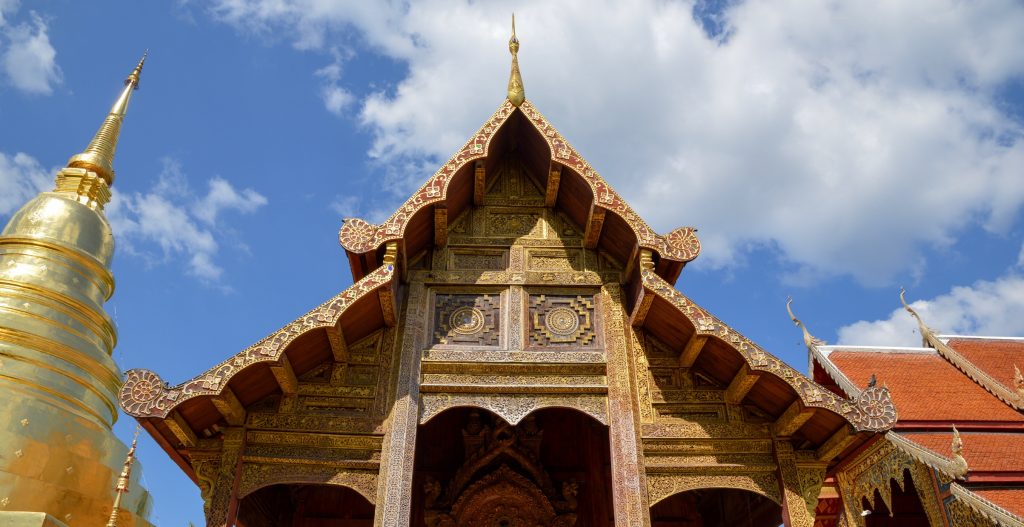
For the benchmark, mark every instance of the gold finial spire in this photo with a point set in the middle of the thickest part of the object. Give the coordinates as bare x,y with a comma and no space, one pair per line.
516,93
99,155
809,340
126,472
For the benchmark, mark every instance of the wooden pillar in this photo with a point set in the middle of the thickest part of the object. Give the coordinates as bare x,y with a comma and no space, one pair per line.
394,488
629,478
223,501
796,511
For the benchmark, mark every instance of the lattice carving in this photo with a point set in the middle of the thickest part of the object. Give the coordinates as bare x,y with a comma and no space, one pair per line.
562,320
467,319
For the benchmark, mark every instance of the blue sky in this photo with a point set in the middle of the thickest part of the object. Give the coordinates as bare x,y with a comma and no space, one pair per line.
831,151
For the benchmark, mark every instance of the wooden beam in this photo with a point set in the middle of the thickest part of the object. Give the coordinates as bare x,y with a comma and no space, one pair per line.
285,376
386,294
229,406
554,179
692,350
595,220
742,382
836,444
479,182
792,419
181,430
627,271
338,346
440,225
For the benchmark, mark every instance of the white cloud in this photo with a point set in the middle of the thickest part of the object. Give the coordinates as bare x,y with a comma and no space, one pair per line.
346,206
336,98
29,60
849,136
171,218
21,178
993,308
222,196
7,7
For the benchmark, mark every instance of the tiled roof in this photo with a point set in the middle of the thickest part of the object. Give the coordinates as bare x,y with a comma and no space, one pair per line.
984,451
923,385
1010,499
995,356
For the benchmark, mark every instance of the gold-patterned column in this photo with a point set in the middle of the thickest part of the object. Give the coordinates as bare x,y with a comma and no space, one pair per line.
629,480
796,510
394,490
799,485
222,505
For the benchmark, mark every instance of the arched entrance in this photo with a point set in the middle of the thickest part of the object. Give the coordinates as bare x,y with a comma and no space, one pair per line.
298,505
907,509
716,508
474,469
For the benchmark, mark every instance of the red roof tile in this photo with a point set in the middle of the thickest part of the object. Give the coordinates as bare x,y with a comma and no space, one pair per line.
984,451
924,386
996,357
1009,499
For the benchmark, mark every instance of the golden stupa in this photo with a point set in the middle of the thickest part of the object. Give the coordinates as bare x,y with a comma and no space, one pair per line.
59,459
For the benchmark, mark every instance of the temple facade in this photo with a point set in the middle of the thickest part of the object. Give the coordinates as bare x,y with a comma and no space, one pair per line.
512,353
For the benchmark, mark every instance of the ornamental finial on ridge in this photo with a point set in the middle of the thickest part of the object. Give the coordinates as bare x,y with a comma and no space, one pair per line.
516,93
809,340
98,157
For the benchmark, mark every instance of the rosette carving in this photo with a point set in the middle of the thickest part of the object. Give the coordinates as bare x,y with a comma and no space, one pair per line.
874,412
682,244
142,391
357,235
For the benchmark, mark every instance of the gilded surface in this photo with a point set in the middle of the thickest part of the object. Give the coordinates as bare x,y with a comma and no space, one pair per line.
59,383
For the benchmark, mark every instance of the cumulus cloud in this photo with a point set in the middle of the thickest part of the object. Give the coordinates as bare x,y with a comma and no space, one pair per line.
171,218
993,308
849,137
29,60
21,178
336,98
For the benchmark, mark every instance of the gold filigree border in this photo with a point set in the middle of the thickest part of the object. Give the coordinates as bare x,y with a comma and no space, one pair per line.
872,410
144,394
359,236
514,407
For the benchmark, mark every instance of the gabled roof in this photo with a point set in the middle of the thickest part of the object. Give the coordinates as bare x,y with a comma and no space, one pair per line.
924,386
575,185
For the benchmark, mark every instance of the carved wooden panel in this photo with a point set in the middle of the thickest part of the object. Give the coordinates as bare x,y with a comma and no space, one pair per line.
474,259
562,320
467,319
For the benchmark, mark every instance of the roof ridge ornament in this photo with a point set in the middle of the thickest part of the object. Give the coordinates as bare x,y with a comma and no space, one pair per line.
516,93
809,340
926,333
98,157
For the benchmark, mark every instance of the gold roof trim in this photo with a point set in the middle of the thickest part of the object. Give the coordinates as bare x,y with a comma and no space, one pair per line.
954,468
1012,398
870,410
985,507
145,394
98,157
359,237
815,356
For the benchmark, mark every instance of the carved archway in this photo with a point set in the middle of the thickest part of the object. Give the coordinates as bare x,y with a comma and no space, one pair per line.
299,505
716,507
474,468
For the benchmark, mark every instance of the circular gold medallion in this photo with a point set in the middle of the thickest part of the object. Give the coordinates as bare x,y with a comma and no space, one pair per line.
562,321
466,320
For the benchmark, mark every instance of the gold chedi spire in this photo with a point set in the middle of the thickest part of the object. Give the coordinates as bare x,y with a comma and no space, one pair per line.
122,482
59,457
516,93
99,155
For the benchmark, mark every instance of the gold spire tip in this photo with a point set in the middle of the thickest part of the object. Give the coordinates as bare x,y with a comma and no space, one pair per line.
98,157
133,77
516,93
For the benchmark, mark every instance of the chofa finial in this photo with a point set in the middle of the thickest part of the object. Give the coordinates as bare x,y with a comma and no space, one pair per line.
926,332
809,340
516,93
